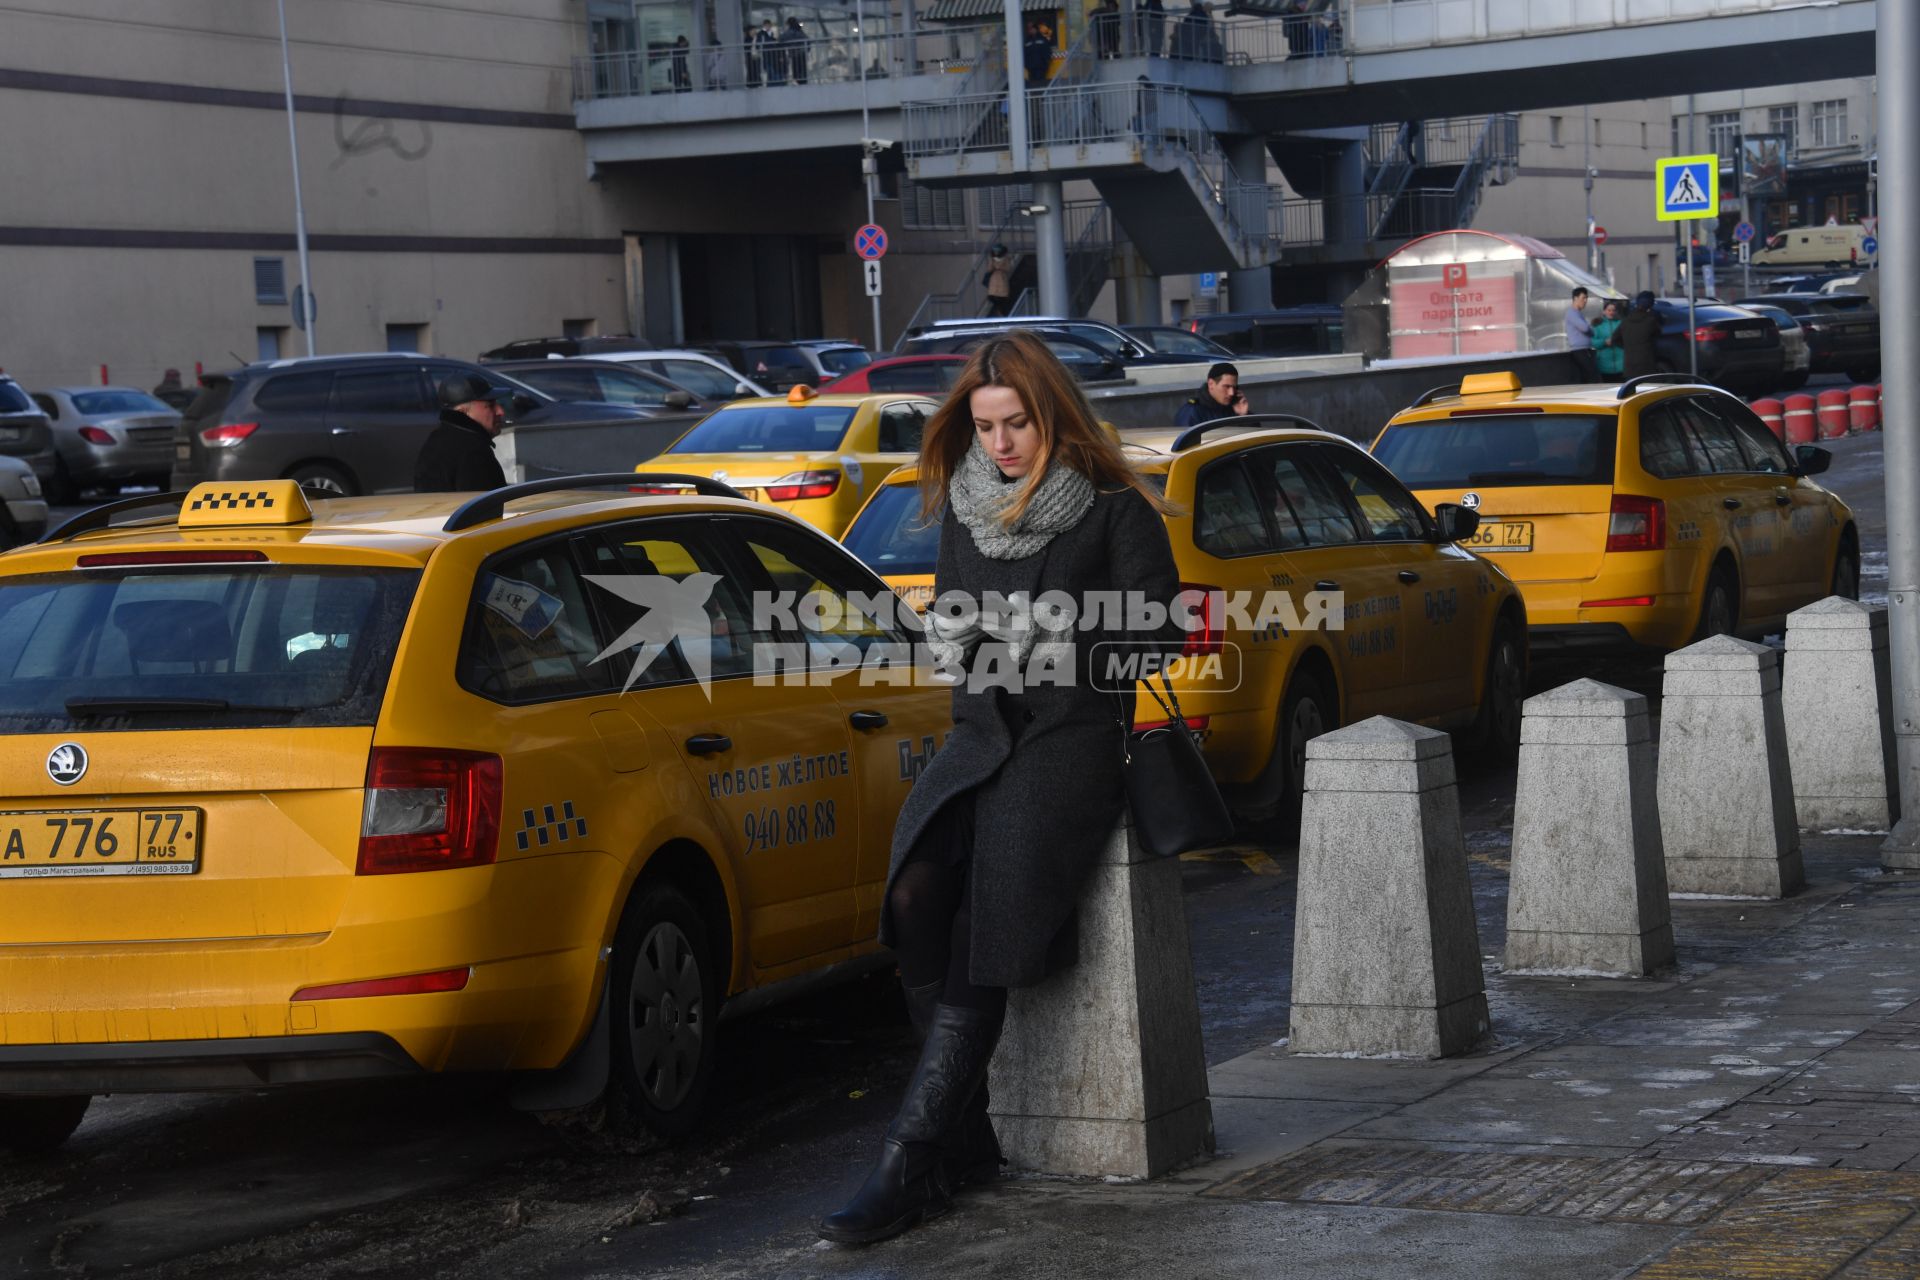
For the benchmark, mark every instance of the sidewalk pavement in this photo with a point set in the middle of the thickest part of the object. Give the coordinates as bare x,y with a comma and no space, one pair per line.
1755,1112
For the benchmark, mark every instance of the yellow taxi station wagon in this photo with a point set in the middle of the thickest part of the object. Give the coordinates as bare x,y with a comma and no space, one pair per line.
300,789
1646,515
1272,510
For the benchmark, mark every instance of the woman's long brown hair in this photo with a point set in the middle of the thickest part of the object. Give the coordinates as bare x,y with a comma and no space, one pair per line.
1070,433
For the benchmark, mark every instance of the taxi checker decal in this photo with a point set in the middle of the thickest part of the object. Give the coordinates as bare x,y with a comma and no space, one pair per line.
555,829
233,500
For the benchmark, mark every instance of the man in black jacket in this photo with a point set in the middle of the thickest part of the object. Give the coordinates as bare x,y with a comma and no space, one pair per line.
458,456
1220,398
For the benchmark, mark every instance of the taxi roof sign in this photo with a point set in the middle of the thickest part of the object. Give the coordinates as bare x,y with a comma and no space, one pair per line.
229,503
1505,382
800,393
1686,187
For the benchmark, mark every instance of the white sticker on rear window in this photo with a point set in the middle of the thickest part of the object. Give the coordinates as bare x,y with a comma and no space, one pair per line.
531,610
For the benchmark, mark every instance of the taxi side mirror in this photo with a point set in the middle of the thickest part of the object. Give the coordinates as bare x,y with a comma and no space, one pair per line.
1811,459
1457,523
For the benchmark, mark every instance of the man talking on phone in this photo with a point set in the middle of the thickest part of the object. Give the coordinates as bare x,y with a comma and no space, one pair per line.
1220,398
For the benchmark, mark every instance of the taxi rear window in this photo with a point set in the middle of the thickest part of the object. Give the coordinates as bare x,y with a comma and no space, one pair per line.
891,538
198,648
1500,449
769,429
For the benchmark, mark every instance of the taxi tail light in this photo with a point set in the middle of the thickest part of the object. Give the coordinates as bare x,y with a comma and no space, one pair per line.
803,484
94,435
1195,723
412,985
227,434
1637,524
429,809
1209,636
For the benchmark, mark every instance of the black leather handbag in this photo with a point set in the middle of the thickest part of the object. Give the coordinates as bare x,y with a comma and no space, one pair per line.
1176,805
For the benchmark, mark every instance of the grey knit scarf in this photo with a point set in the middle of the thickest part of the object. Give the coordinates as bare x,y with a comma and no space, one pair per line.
978,495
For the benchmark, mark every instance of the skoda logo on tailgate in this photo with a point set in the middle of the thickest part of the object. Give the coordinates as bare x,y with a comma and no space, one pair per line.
1471,501
67,763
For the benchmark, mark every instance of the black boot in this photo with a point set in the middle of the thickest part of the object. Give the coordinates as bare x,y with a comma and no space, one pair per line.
909,1184
973,1155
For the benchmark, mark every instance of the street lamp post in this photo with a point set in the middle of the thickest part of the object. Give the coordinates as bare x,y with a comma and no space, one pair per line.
1897,55
299,207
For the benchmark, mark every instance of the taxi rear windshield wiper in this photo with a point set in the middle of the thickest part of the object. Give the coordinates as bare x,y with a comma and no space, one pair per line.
80,707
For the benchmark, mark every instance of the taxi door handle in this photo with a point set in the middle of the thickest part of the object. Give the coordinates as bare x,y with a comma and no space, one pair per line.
1782,499
1409,576
1731,504
706,744
868,719
1326,584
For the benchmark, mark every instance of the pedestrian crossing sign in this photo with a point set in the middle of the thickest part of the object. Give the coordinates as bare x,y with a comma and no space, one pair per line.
1686,187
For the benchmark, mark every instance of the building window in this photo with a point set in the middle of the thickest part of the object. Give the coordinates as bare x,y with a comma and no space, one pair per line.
994,205
1830,123
1553,130
577,328
406,337
267,341
270,280
932,208
1723,133
1785,121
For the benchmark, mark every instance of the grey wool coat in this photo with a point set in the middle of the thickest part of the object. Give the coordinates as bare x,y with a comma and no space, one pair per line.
1042,809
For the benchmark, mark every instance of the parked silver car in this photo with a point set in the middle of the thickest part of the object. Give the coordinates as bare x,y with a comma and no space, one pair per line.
107,437
23,511
25,432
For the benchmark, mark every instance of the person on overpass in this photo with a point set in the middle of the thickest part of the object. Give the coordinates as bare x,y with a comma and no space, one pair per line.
1219,398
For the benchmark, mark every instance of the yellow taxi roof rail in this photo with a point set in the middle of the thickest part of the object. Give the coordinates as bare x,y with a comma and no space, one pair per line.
1191,436
492,504
101,517
1633,386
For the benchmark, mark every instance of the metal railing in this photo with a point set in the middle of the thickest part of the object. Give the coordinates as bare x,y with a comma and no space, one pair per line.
1283,38
1374,25
975,52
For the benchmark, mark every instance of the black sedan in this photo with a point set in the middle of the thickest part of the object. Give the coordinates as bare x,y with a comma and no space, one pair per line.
1843,330
1738,349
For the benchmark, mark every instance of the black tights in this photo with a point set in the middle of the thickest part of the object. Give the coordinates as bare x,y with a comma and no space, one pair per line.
932,908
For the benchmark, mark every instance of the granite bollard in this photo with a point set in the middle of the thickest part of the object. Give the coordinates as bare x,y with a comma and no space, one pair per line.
1101,1071
1386,952
1836,695
1589,884
1726,788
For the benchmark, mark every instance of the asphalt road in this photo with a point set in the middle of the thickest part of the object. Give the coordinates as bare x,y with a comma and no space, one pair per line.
441,1178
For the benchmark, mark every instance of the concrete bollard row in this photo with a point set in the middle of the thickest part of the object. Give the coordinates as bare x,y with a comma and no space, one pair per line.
1837,698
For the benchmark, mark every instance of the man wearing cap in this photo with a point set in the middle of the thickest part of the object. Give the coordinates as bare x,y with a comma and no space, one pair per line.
458,456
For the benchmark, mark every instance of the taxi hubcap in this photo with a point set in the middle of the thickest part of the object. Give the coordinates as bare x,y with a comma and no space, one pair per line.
667,1018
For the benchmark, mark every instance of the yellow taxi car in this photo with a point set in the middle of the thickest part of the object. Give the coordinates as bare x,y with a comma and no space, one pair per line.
816,456
1271,516
300,789
1646,515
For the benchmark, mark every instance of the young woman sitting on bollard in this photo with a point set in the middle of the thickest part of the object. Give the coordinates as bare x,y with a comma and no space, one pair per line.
997,836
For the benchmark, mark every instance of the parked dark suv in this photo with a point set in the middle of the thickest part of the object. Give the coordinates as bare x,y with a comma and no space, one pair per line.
25,432
1843,330
345,424
1312,330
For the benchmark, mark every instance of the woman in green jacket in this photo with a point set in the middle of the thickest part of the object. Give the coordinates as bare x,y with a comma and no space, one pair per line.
1607,353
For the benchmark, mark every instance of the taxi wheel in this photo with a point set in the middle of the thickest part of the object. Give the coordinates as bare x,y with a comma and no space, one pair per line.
1846,573
35,1126
1498,728
666,992
1305,713
1720,610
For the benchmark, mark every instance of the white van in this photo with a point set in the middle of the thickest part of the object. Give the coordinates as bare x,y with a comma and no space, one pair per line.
1813,246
